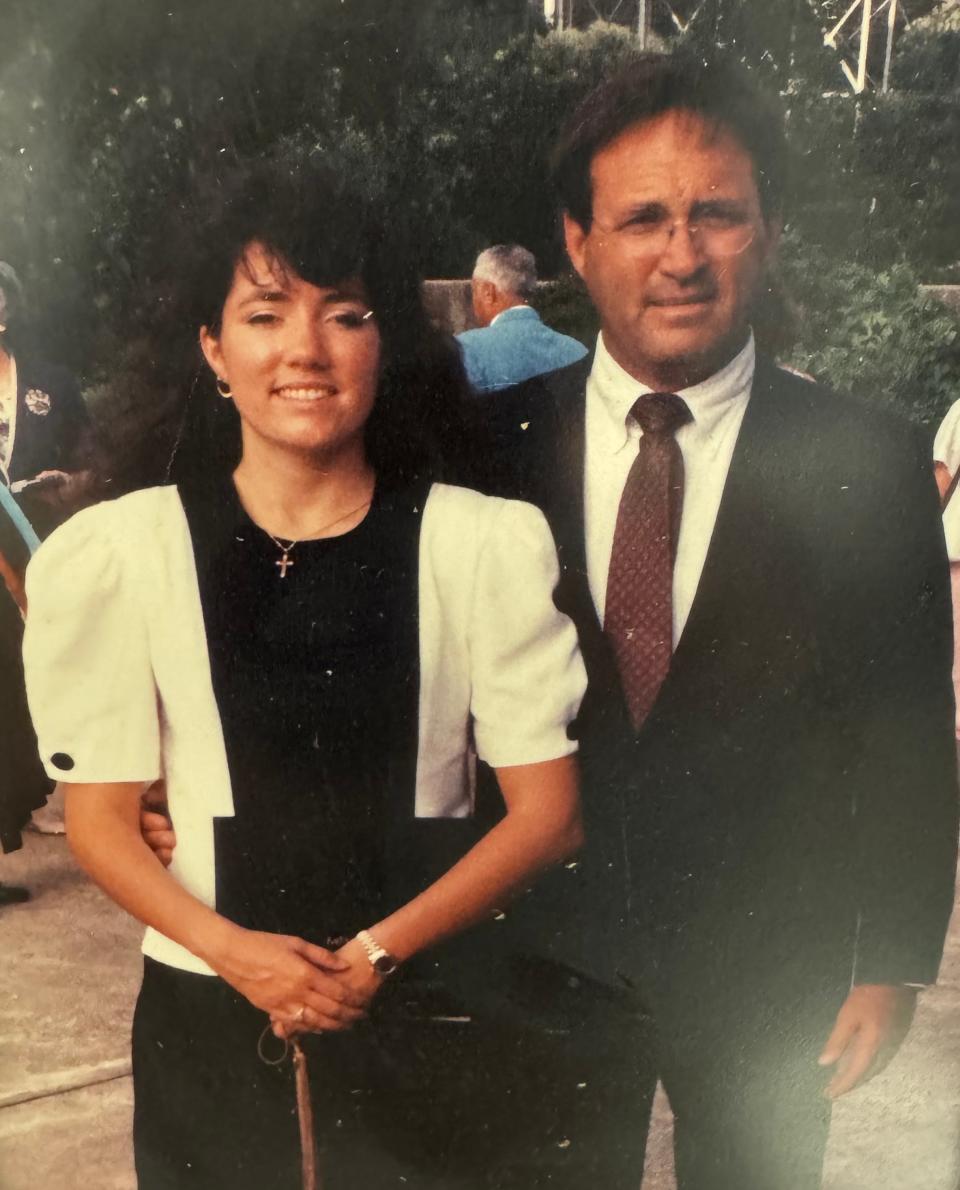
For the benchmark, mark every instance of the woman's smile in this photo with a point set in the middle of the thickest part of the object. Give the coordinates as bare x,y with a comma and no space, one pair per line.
305,392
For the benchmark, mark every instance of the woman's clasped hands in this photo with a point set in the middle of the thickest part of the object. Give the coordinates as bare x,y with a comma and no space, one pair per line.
302,987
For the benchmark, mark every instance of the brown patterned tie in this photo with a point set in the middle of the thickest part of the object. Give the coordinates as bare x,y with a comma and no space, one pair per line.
639,606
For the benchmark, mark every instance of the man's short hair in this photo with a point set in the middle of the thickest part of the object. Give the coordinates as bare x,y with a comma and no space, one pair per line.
718,91
511,267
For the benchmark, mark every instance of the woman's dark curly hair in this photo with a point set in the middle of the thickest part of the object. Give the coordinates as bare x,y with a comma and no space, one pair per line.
320,222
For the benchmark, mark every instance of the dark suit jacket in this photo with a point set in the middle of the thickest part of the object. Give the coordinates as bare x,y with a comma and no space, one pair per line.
789,809
52,421
53,433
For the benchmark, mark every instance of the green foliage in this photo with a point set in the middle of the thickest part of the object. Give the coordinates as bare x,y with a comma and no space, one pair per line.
781,41
871,332
564,305
928,53
111,109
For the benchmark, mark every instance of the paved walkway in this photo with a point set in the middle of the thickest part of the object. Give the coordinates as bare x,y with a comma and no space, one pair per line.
67,987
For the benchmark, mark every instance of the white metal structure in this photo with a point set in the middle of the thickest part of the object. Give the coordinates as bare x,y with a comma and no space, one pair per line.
867,11
855,36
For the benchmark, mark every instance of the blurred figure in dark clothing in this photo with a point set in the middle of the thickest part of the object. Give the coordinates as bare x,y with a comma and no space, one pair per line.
23,784
48,453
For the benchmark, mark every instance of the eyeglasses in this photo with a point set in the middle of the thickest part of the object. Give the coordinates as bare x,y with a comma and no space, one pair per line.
719,231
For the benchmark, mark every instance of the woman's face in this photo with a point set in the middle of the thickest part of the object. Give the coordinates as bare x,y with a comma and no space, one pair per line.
302,360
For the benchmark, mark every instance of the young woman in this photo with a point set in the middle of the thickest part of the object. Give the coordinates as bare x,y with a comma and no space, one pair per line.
306,638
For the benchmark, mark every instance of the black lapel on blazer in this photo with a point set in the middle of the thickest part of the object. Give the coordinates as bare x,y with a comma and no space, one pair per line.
559,443
555,442
33,448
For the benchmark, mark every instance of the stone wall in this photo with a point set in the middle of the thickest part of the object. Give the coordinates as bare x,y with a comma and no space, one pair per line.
449,305
948,294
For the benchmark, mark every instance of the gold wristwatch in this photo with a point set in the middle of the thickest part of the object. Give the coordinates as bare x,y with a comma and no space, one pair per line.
380,960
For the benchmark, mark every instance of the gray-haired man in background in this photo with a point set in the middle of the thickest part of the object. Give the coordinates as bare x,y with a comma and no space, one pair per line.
511,343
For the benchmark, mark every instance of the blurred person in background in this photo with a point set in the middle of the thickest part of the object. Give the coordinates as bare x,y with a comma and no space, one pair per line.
24,785
49,459
48,453
511,342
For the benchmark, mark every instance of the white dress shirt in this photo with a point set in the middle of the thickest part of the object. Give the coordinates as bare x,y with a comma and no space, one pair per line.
706,444
519,306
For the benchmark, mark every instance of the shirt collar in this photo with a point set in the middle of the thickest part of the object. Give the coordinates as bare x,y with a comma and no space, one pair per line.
711,401
522,309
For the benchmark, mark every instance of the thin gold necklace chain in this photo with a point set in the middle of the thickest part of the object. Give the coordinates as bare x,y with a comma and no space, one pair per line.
286,549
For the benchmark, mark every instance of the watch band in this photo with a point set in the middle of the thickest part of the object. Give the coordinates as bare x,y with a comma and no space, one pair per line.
380,960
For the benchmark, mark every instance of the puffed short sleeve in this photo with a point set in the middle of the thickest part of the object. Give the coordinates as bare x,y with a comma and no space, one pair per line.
526,671
946,444
86,656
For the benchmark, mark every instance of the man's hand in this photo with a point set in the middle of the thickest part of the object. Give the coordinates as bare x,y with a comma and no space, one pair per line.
870,1027
155,825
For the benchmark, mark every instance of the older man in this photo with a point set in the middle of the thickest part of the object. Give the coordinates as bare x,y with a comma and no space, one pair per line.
757,571
511,343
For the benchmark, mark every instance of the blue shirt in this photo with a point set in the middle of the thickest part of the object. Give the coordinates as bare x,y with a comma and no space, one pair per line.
514,347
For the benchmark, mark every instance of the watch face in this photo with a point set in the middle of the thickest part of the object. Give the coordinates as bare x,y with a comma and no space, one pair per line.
385,964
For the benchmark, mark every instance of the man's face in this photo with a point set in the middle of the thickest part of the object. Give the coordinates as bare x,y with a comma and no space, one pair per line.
676,249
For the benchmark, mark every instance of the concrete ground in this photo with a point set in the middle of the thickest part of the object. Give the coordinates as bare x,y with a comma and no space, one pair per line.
66,994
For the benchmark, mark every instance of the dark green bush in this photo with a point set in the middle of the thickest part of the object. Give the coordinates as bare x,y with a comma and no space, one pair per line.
105,124
871,332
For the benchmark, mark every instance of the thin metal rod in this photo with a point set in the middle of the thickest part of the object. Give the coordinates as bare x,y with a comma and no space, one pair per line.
831,37
864,45
888,55
644,14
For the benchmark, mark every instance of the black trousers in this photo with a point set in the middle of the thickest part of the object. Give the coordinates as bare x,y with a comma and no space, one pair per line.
739,1064
402,1100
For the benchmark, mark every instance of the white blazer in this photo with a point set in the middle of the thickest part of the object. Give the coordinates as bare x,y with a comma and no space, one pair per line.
119,683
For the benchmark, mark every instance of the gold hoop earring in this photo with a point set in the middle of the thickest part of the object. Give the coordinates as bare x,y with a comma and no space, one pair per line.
224,389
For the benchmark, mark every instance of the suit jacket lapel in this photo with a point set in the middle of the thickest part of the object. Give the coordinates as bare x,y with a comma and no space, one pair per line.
564,488
556,442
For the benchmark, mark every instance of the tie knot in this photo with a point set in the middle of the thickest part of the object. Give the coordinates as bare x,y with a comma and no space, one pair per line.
661,413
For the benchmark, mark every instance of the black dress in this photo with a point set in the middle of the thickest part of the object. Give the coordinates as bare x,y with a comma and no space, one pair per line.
24,786
316,678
